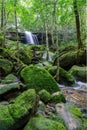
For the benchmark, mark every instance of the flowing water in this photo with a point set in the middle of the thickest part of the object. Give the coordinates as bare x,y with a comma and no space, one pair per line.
31,38
76,94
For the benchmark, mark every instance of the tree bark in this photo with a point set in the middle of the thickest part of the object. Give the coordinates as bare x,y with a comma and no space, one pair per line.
47,44
77,24
3,22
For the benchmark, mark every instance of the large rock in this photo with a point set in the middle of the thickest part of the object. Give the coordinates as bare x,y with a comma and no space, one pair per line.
41,123
4,88
39,78
5,66
71,115
15,115
9,79
64,76
44,96
70,58
80,73
57,98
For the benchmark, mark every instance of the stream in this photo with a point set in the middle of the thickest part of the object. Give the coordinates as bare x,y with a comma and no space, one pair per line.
76,94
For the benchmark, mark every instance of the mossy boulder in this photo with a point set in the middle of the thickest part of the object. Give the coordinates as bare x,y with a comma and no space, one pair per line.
15,115
71,115
80,73
75,110
44,96
5,66
72,57
41,123
9,79
64,76
39,78
57,97
6,88
25,55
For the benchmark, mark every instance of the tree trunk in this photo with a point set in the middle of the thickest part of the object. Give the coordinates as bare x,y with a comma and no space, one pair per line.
3,22
47,44
57,46
16,26
77,24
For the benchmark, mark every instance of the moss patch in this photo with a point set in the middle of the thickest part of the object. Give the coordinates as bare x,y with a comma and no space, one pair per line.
6,66
14,116
79,72
39,78
44,95
6,88
9,79
57,97
64,76
41,123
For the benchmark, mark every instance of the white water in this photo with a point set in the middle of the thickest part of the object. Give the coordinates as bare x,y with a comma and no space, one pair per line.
77,86
31,38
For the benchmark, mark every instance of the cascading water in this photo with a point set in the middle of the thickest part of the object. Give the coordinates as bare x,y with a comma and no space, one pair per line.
35,39
30,38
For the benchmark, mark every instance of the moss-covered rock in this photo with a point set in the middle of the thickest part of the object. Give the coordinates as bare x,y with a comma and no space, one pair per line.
5,66
44,95
9,79
79,72
15,115
73,57
4,88
39,78
75,110
57,97
41,123
71,115
64,76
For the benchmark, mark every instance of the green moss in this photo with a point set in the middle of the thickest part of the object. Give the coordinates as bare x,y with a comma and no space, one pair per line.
72,57
44,95
6,120
57,98
79,72
6,65
75,111
38,78
41,123
7,87
13,116
64,76
9,79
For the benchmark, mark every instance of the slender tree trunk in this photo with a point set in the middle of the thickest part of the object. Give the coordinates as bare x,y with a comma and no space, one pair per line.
77,24
16,26
47,44
2,22
52,36
56,30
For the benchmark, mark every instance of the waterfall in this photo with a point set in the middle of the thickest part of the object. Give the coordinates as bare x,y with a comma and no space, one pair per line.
31,38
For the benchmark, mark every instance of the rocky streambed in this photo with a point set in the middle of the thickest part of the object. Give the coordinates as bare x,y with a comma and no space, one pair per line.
77,95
